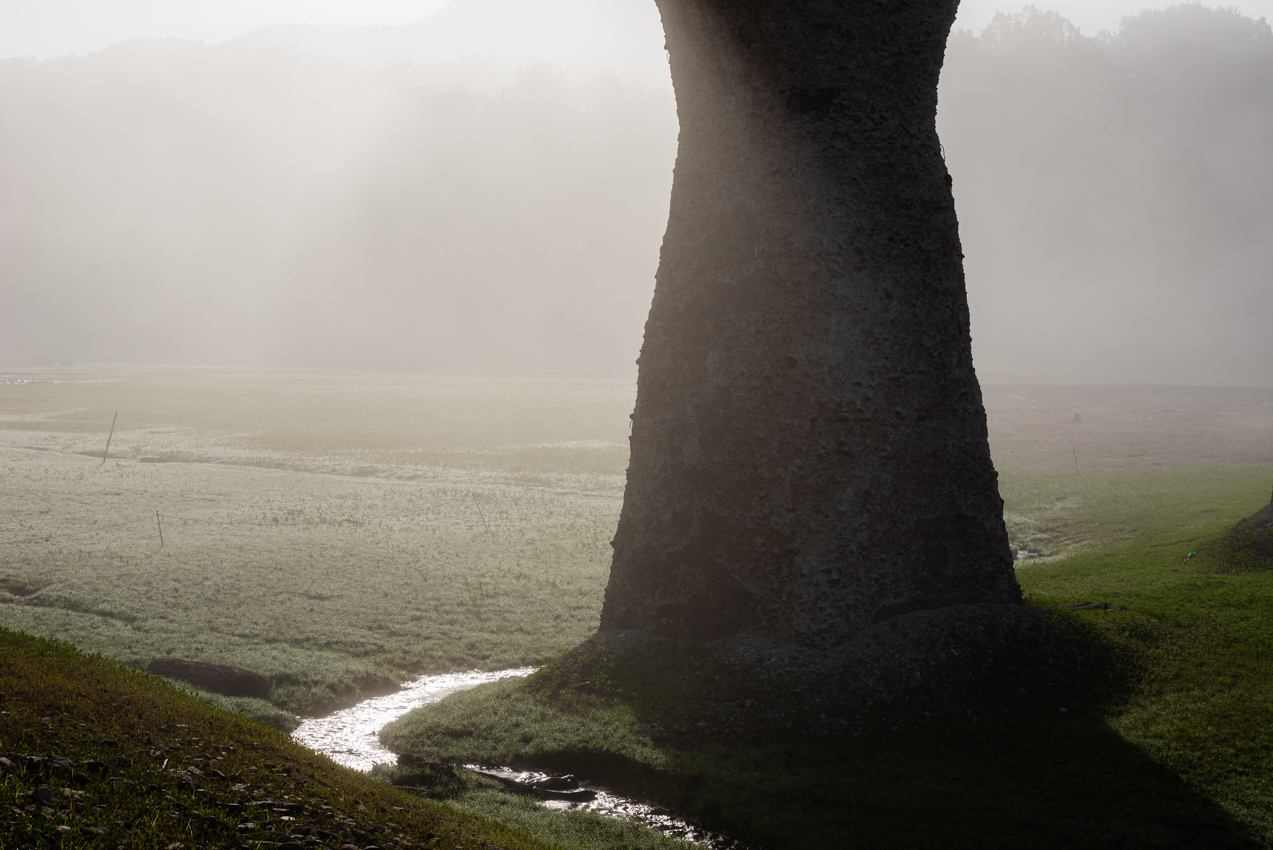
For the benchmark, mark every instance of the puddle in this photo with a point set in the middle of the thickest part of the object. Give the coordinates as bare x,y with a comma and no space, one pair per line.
351,738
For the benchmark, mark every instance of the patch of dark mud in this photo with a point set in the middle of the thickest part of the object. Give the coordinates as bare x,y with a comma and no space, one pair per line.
411,476
20,588
387,474
33,599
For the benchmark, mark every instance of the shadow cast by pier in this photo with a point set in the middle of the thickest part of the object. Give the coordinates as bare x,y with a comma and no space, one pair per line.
1064,781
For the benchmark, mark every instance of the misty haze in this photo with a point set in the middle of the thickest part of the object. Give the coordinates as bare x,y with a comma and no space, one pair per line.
381,503
284,200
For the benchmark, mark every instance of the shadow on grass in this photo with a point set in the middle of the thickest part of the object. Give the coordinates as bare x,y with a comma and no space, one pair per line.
1165,745
1063,781
1041,777
1037,778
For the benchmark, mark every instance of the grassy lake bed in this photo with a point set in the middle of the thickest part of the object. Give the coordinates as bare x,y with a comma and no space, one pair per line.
292,548
343,533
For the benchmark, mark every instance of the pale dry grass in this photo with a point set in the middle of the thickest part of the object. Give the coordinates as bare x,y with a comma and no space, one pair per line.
340,532
337,570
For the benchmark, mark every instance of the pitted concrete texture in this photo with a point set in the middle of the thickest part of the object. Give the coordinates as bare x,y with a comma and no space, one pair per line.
809,452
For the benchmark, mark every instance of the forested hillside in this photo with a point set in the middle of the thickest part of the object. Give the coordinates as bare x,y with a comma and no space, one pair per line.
1115,194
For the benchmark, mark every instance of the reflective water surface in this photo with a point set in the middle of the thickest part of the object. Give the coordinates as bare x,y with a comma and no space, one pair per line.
351,737
612,805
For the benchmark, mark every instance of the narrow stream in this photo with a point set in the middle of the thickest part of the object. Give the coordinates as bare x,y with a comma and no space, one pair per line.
351,738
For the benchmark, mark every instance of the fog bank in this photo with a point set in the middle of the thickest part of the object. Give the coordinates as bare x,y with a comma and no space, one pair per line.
282,200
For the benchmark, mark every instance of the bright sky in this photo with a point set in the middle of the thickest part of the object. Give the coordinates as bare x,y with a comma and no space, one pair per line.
45,28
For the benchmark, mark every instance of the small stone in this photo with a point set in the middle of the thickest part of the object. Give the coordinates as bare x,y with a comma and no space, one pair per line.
93,831
43,794
123,762
1064,710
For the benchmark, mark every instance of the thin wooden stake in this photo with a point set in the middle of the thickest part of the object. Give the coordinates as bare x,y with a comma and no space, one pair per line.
479,513
1076,459
161,530
108,438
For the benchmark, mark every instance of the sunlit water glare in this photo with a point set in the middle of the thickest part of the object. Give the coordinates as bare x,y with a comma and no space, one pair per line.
352,737
613,806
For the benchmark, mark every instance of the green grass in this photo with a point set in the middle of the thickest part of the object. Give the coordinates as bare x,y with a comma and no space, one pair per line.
255,708
150,766
479,795
336,537
342,536
1203,644
1066,514
1173,749
335,587
577,829
508,724
341,533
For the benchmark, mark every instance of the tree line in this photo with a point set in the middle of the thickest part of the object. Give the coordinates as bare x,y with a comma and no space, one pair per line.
184,203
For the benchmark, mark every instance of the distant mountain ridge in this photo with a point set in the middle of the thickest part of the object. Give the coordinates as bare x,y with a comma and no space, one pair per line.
591,34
